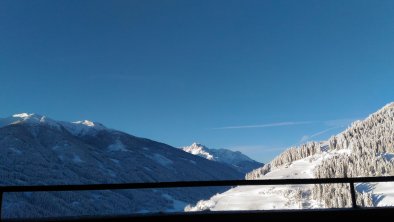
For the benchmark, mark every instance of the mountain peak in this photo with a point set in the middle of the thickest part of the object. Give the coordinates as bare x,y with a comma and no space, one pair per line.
235,159
22,115
88,123
198,149
29,118
85,122
83,127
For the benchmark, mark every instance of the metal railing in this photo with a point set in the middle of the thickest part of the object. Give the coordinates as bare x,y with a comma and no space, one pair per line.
182,184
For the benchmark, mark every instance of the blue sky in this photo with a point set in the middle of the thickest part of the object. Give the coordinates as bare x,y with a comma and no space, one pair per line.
257,76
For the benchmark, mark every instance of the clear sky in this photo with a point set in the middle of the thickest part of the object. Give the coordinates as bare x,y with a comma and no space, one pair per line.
256,76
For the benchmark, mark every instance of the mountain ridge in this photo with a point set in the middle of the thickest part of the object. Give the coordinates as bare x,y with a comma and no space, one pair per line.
76,127
36,150
235,159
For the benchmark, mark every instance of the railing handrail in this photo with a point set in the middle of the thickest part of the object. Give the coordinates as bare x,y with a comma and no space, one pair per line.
182,184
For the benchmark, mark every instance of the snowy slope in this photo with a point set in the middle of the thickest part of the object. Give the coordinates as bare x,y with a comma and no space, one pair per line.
271,197
35,149
364,149
234,159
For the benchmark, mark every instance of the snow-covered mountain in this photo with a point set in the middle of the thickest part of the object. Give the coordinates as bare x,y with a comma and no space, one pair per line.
366,148
235,159
78,128
35,149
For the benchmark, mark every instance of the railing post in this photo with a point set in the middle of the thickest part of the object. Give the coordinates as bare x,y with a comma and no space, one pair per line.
353,194
1,205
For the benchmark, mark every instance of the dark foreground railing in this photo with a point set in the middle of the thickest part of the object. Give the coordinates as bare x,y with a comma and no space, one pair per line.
208,215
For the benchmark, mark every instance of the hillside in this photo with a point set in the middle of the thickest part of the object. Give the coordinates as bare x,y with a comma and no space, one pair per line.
35,149
364,149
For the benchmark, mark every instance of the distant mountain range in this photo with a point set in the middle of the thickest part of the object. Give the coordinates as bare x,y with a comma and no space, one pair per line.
234,159
37,150
365,149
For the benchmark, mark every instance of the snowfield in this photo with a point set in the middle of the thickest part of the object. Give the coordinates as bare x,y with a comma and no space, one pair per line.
384,193
287,196
269,197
